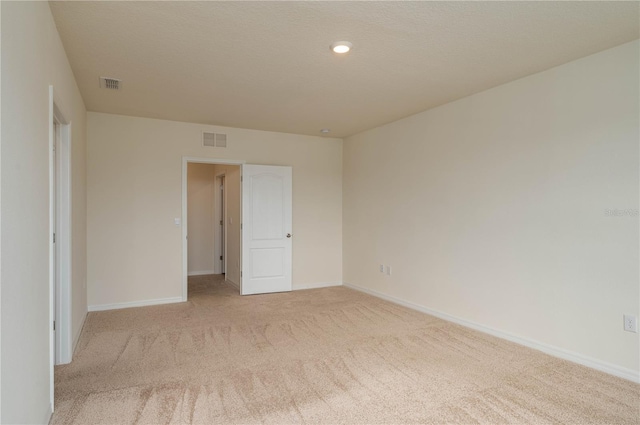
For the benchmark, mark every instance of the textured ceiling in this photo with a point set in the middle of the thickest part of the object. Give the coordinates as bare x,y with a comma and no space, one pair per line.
267,65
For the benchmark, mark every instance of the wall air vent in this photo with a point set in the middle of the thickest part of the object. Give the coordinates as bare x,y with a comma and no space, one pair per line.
221,140
209,139
110,83
218,140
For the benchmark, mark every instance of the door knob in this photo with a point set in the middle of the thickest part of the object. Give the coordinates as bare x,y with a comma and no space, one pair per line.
288,235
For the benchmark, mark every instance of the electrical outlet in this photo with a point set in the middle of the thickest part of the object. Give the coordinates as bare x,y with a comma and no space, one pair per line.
381,268
630,323
388,270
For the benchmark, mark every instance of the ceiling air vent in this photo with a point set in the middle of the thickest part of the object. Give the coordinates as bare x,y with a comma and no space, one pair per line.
214,140
110,83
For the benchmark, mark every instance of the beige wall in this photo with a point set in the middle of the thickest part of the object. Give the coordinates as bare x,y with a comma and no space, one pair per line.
134,194
492,208
200,213
32,59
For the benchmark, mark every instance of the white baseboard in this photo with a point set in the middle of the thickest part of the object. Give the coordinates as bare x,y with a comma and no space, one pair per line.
143,303
201,273
561,353
316,285
76,337
49,414
232,283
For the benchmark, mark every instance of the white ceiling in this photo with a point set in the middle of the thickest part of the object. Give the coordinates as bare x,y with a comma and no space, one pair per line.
267,65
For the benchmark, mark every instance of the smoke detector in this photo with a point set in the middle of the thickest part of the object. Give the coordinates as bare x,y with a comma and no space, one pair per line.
110,83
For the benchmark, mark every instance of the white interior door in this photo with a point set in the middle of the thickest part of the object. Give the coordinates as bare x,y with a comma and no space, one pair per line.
266,229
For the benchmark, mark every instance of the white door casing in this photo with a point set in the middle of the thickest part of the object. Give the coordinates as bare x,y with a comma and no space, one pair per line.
266,229
60,340
62,242
222,237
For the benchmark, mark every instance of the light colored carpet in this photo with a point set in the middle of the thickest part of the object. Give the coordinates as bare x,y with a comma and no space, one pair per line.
325,356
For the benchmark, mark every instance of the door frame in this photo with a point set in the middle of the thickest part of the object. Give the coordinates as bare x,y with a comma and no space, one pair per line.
186,160
220,215
60,340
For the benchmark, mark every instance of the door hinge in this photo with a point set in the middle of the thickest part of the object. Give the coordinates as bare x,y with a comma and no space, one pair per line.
54,325
240,178
54,238
221,257
240,226
220,222
240,273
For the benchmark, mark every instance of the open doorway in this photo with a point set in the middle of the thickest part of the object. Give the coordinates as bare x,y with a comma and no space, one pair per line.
212,225
258,197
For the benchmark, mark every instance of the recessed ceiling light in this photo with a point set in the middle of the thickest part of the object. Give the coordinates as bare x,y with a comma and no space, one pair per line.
325,131
341,47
